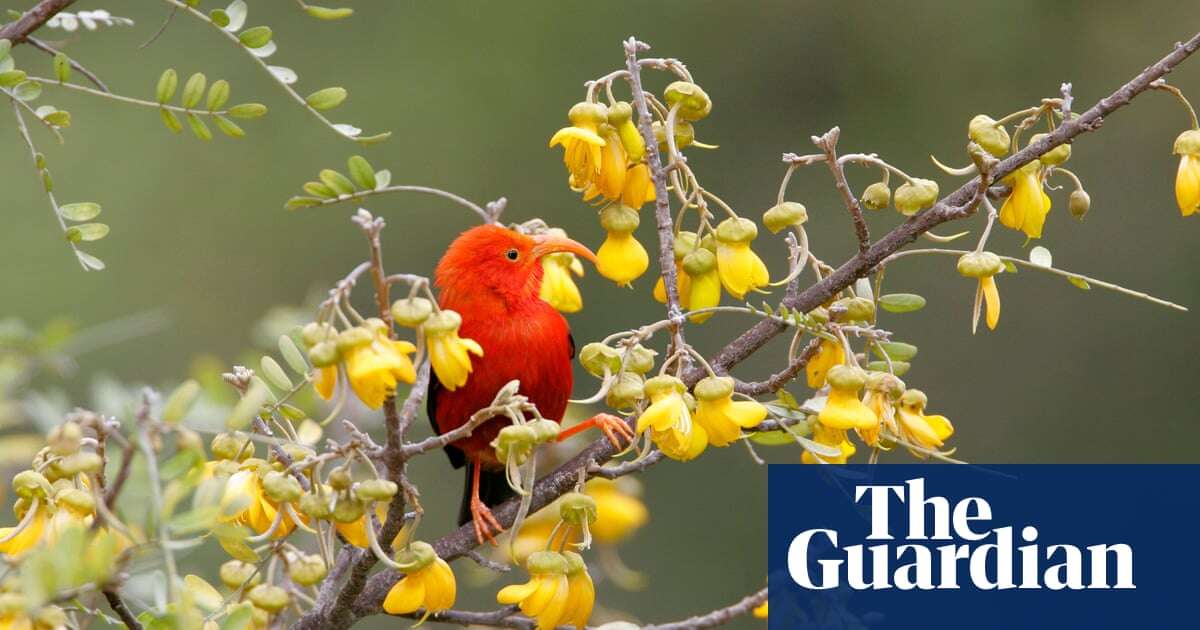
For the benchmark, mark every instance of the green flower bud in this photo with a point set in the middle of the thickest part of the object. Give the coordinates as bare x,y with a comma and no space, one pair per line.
30,484
739,230
541,562
916,196
713,388
78,500
587,113
352,338
1055,156
376,490
785,215
693,102
347,510
845,377
877,196
626,392
417,555
411,312
620,115
324,354
980,265
314,333
232,446
82,462
595,357
65,439
544,430
619,217
281,487
619,112
235,573
914,398
663,383
269,597
857,309
316,505
515,441
188,440
1188,143
685,134
307,570
685,242
984,131
641,359
577,508
699,262
1079,203
886,383
340,479
444,321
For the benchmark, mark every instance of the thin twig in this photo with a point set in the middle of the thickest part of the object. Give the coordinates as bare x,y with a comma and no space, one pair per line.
118,606
717,617
19,29
828,144
47,48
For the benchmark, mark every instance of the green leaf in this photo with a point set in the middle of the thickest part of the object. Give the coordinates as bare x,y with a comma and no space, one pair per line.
219,17
896,350
58,118
296,203
28,90
180,401
336,181
247,110
275,374
193,90
361,172
1009,266
900,367
81,211
5,47
292,355
772,438
170,120
179,464
11,77
239,619
198,127
787,399
87,232
325,13
327,98
375,139
255,37
317,189
295,414
218,95
901,302
89,261
167,82
1079,282
228,127
62,67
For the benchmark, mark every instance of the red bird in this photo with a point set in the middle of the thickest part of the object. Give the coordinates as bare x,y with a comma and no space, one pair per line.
491,276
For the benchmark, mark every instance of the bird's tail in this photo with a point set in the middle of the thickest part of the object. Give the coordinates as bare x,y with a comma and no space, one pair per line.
493,490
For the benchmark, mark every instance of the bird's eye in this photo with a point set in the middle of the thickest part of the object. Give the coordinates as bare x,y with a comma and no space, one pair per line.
512,254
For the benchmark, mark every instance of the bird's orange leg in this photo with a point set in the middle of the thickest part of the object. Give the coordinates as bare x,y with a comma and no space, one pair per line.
613,428
486,525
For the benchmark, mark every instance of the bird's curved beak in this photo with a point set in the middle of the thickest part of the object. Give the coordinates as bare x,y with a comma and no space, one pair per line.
544,244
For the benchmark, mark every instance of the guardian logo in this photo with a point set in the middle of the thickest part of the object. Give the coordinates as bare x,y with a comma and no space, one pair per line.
973,549
949,547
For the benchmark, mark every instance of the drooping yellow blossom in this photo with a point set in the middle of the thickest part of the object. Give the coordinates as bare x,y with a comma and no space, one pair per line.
685,243
829,353
375,363
843,410
760,612
670,421
581,593
244,501
984,266
639,187
355,532
883,391
619,513
833,438
428,582
609,182
741,270
558,287
621,258
74,508
1187,178
544,597
325,381
927,431
582,144
448,353
723,418
18,543
703,283
1027,205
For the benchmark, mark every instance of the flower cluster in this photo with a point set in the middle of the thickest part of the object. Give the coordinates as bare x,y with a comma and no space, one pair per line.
559,591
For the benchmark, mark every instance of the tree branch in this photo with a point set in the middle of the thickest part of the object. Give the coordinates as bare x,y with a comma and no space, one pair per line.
781,378
47,48
828,145
18,30
118,606
717,617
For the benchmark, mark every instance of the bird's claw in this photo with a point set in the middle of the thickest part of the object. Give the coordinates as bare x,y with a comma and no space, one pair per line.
486,525
615,429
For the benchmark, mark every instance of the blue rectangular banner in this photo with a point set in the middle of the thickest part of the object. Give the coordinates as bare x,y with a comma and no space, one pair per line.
1006,546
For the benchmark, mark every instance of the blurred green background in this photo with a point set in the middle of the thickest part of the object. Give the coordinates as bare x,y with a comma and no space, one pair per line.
472,91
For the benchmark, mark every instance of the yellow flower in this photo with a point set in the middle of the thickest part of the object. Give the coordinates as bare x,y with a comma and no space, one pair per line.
558,287
991,296
621,258
325,381
618,513
1028,204
1187,178
835,438
581,593
703,283
682,282
722,418
829,353
428,582
927,431
373,368
843,410
639,187
244,501
16,543
882,391
581,141
669,420
761,611
741,270
448,353
544,597
984,266
610,181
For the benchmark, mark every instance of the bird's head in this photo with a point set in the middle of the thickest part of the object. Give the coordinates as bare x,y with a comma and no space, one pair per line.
496,262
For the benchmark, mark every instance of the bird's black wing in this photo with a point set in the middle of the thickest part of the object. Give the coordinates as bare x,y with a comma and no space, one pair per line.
571,346
456,456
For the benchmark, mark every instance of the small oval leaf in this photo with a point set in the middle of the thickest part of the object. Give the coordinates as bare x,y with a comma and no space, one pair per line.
255,37
275,374
361,172
896,350
292,355
180,402
80,211
168,81
327,98
218,95
900,367
87,232
193,90
901,302
247,110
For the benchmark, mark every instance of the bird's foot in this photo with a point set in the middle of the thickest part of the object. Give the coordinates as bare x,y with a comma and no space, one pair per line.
613,428
486,525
